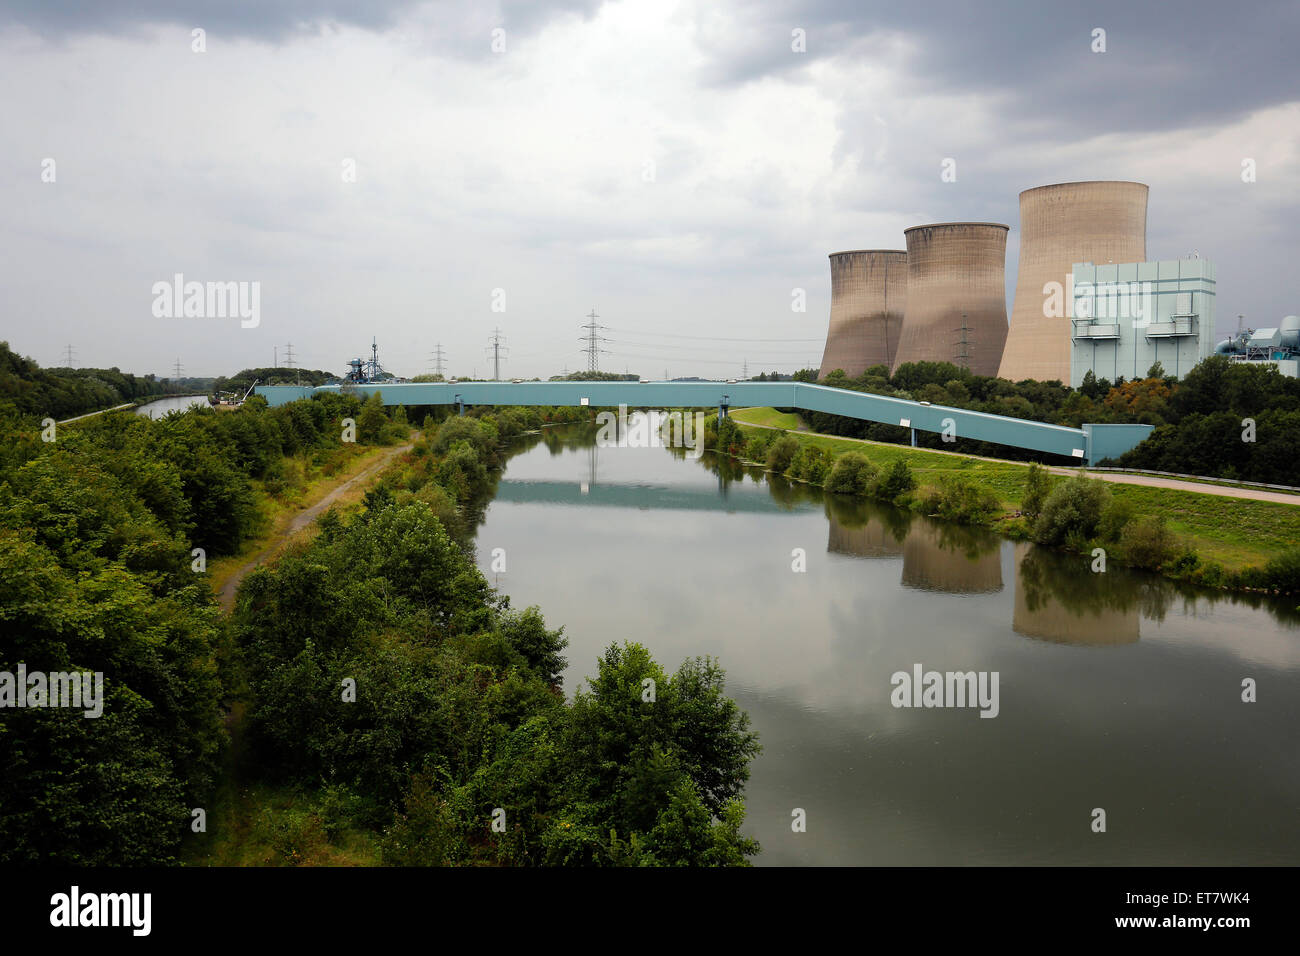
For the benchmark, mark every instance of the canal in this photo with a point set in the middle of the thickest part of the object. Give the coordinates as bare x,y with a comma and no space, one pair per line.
178,404
1116,692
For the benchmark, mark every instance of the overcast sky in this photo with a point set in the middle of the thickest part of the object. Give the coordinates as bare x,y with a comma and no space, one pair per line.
677,167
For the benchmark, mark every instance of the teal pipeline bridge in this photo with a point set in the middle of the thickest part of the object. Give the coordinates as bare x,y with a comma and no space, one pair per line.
1090,444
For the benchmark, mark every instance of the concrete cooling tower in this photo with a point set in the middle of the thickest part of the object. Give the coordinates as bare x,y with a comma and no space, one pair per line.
868,289
955,268
1060,225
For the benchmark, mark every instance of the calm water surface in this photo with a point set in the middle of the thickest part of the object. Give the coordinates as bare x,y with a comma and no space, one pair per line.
164,405
1116,690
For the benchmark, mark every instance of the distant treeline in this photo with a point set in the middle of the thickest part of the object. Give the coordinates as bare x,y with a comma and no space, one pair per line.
597,377
28,389
1200,419
241,382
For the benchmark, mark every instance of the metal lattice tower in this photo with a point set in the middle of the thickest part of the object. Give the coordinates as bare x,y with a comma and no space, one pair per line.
497,348
177,376
594,340
437,359
68,356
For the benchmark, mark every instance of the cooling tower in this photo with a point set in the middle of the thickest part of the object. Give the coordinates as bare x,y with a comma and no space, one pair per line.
1060,225
955,268
868,289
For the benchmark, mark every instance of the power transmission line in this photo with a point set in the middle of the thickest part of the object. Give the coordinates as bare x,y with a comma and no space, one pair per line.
594,342
289,363
68,354
496,348
177,376
437,359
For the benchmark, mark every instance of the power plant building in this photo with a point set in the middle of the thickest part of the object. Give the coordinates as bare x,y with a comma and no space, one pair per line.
1060,225
956,295
868,293
1128,316
1279,347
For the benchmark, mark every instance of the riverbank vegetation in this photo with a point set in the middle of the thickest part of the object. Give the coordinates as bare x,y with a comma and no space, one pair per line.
1201,419
385,704
1204,539
104,535
26,389
420,720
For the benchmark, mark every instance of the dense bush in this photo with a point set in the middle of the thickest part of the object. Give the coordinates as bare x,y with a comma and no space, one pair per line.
1282,574
853,474
956,499
1145,542
895,480
781,453
1072,512
1038,484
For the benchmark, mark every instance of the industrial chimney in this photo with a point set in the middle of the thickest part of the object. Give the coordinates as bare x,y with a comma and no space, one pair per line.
868,291
1098,222
956,295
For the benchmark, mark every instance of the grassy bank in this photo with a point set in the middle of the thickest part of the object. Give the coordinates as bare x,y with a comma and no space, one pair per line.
769,417
1234,533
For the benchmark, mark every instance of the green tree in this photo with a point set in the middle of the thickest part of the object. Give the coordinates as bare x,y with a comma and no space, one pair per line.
1072,512
370,425
853,474
1038,485
781,452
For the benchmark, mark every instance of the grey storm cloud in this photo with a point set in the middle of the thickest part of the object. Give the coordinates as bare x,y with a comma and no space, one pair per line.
1165,66
527,171
268,20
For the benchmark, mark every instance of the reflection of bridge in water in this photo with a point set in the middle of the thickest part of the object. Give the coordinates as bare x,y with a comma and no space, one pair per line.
645,497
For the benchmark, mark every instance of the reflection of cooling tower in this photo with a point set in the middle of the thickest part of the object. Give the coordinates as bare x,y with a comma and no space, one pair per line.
872,540
929,566
1060,225
1052,621
955,268
868,289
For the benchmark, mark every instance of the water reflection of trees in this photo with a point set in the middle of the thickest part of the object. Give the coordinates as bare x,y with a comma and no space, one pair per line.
1068,579
1042,576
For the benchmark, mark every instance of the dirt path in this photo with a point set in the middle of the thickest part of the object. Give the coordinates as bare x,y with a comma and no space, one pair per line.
305,518
1150,481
